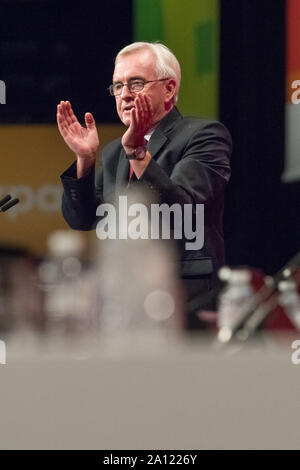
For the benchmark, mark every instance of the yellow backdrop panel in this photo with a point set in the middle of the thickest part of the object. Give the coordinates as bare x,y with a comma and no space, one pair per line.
32,159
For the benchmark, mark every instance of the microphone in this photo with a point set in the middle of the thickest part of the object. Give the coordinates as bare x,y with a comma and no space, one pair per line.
5,205
4,200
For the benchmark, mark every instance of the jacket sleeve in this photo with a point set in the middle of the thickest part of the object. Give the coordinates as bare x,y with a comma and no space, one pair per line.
81,198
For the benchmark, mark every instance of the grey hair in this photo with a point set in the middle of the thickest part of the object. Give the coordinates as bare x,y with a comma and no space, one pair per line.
166,63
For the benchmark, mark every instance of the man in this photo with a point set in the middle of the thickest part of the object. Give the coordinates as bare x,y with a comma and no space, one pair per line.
182,160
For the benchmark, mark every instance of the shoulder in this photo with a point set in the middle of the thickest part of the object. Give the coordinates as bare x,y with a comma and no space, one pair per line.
174,124
198,124
199,130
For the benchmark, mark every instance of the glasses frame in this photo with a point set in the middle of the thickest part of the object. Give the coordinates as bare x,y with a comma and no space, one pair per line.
111,87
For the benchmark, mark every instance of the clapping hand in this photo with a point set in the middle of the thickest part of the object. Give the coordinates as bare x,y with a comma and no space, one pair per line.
83,141
140,123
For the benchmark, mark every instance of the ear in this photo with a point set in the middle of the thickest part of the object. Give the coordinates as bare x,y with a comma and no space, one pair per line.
170,89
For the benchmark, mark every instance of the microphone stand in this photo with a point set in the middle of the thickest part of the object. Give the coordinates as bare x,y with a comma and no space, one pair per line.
262,303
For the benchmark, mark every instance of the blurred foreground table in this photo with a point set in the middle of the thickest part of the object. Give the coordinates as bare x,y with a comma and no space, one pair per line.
148,392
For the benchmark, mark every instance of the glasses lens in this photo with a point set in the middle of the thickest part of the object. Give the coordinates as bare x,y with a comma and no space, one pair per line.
136,85
116,88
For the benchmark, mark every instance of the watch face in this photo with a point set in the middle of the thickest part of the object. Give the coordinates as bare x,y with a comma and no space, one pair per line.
140,153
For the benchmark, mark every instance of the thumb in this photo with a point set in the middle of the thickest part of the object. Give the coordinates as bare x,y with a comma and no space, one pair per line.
89,121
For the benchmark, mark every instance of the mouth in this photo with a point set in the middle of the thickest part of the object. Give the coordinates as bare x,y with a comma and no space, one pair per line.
128,108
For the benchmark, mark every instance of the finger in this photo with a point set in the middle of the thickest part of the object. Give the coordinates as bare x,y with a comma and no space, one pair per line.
139,109
146,109
71,112
59,117
62,123
147,115
60,111
64,112
64,132
61,127
134,119
148,106
89,121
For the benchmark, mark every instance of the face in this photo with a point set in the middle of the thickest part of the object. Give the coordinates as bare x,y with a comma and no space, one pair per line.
142,64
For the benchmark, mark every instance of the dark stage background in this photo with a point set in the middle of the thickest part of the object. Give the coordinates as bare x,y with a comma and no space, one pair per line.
262,219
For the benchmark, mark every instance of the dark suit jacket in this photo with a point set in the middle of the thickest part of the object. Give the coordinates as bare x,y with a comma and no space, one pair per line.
189,165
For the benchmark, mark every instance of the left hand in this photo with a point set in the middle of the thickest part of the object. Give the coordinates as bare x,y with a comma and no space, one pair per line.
140,123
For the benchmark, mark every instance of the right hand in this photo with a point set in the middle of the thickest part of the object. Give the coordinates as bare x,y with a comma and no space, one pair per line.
83,141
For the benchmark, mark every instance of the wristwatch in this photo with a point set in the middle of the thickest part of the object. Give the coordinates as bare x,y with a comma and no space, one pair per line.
138,154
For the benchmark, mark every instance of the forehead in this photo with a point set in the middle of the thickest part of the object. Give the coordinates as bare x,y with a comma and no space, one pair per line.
140,63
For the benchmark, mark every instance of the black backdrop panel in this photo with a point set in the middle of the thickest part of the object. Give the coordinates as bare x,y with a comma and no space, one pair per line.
262,218
56,50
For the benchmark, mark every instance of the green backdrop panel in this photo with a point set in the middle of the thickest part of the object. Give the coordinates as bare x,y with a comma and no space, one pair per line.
191,30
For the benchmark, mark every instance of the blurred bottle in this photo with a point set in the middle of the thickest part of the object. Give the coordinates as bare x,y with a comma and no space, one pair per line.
139,288
237,294
21,303
66,283
289,298
139,285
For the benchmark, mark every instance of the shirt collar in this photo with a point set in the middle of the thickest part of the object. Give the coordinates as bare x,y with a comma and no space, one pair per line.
149,133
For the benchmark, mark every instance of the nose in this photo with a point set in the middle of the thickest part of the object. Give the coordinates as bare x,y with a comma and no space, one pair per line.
126,92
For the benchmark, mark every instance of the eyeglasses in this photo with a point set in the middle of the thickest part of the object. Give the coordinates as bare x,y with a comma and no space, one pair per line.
134,86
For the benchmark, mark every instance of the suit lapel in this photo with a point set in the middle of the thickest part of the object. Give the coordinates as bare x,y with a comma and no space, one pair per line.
158,139
159,136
